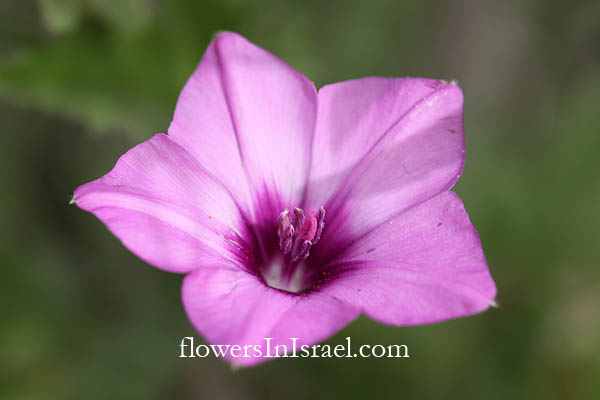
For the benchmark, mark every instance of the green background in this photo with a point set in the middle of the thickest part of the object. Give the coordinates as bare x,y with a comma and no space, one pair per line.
83,81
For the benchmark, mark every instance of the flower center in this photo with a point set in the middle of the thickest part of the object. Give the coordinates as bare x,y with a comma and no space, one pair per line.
297,233
297,237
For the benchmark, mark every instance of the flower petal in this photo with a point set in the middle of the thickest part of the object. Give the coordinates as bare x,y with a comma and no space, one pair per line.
423,266
228,306
382,146
166,208
248,117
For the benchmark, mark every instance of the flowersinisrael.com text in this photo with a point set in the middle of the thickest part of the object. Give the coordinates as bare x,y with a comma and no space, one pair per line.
292,350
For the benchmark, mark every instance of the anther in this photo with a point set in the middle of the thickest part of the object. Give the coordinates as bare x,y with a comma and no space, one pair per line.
283,221
286,241
320,224
285,231
297,236
303,253
299,218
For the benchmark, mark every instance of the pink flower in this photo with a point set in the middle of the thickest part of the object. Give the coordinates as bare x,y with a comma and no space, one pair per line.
293,210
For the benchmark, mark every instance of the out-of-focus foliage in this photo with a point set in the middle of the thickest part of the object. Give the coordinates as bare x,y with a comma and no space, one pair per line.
133,55
82,81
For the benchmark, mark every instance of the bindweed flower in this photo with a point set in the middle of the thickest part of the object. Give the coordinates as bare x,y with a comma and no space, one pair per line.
292,211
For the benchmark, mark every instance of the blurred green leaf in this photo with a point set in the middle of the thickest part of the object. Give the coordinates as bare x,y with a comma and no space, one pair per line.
116,71
61,15
110,83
